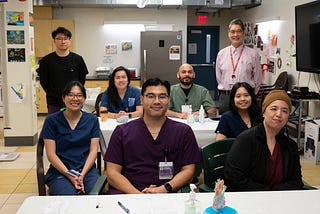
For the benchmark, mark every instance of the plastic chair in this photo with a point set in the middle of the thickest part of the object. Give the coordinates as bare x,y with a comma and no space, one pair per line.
96,190
214,156
280,83
97,104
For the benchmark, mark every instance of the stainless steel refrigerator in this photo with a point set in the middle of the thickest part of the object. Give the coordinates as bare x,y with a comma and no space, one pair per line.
161,53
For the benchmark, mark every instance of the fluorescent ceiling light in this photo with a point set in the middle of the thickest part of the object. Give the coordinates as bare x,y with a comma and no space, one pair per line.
171,2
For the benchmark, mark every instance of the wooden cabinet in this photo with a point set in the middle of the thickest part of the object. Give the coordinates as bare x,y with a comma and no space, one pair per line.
41,99
42,34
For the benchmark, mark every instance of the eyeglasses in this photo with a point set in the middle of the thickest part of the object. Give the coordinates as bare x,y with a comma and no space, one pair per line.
60,39
161,97
78,96
239,31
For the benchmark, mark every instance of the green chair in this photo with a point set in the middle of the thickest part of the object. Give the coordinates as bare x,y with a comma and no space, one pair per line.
97,189
213,158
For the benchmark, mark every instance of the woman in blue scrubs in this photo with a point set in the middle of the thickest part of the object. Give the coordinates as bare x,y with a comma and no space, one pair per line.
71,139
121,99
244,112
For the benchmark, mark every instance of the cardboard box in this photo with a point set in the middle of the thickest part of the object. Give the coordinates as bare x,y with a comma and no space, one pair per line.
312,141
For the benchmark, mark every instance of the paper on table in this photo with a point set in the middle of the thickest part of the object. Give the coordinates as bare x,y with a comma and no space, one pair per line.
56,207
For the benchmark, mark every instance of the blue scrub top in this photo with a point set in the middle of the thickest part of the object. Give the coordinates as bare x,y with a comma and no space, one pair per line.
128,103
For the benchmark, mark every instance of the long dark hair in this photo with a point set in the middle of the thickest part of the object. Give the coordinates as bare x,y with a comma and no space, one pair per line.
112,89
254,109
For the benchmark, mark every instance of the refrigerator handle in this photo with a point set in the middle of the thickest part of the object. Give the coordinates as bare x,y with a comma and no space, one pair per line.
145,64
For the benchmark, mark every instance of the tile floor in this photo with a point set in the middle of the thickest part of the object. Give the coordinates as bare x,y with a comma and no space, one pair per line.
18,178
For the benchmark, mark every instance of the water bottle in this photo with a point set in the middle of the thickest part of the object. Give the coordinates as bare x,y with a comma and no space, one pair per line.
201,114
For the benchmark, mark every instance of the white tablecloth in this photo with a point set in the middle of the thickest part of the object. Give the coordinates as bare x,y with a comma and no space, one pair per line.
273,202
205,133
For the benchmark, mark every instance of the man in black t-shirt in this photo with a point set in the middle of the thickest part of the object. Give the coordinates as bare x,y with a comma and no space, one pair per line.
60,67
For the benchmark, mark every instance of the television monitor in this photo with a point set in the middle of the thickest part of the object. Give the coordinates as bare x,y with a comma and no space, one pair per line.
307,20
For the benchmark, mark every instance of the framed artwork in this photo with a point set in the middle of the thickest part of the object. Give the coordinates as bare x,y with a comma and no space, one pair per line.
126,46
16,55
15,37
15,18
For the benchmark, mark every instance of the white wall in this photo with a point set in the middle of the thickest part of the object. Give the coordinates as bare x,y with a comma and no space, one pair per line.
91,36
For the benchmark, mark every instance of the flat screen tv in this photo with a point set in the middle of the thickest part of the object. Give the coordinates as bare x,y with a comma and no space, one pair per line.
307,19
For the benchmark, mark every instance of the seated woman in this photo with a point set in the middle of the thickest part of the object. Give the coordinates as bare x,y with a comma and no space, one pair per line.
263,157
244,112
121,99
71,139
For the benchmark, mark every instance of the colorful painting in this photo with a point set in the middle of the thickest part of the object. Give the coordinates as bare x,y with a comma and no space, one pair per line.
16,55
126,46
15,18
15,37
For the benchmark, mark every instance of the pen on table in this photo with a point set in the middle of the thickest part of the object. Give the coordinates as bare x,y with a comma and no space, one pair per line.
123,207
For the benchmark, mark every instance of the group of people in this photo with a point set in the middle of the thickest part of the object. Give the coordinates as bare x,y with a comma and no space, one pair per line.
153,153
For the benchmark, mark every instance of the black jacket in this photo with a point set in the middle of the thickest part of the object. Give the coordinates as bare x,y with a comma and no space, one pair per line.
247,162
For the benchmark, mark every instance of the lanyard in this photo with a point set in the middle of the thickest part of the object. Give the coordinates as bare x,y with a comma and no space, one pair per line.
235,66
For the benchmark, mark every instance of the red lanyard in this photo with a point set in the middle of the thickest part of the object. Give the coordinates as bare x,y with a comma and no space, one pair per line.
235,66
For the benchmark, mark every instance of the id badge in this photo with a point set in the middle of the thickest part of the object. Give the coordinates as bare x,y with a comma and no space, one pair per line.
131,101
185,108
165,170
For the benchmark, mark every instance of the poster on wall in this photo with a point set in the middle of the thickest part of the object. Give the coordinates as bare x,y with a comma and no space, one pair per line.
111,49
17,92
126,46
31,19
16,55
174,52
15,37
15,18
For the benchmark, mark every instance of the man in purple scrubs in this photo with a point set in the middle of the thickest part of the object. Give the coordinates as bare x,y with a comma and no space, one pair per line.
152,154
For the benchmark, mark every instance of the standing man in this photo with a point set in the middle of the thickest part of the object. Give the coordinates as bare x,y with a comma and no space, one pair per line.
151,154
60,67
236,63
187,93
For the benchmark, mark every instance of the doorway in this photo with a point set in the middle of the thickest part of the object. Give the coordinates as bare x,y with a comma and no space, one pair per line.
202,50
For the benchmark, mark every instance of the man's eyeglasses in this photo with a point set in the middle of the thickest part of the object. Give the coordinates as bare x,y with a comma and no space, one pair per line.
161,97
78,96
236,31
60,39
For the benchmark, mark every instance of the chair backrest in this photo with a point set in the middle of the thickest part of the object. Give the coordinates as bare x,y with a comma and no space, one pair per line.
97,104
213,159
40,168
282,81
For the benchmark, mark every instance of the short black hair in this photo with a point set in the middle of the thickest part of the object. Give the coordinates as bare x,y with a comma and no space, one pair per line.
155,82
63,31
236,21
69,86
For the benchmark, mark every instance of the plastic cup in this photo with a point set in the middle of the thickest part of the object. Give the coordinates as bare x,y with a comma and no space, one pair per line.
104,116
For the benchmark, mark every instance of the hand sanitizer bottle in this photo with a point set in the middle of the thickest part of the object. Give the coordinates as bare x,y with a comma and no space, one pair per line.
201,114
192,205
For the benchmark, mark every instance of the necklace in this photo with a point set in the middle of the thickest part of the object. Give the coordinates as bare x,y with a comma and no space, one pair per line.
73,123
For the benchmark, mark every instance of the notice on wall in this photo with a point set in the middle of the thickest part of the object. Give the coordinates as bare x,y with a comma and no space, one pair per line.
192,48
17,92
174,52
111,49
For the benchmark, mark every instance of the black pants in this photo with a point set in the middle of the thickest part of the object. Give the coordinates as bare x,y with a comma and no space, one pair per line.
224,99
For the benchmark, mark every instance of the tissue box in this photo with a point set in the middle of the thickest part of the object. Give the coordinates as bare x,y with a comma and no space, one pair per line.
312,141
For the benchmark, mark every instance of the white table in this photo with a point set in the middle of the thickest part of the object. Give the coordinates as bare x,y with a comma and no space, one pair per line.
277,202
205,133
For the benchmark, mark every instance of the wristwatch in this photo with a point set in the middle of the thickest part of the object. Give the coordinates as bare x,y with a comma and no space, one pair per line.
168,187
130,115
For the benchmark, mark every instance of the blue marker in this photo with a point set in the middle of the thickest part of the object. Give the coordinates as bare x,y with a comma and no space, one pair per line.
123,207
